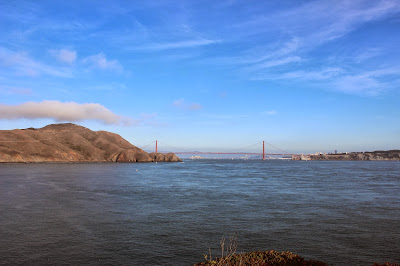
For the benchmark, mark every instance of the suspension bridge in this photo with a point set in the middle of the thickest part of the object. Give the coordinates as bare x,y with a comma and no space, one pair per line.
262,152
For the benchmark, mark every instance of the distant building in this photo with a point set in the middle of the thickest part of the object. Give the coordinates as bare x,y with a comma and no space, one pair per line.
301,157
296,157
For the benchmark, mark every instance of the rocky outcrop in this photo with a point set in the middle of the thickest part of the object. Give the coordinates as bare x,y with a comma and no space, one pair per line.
70,143
134,156
164,157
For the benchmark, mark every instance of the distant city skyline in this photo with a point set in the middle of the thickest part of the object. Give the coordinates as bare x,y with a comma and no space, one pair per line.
305,76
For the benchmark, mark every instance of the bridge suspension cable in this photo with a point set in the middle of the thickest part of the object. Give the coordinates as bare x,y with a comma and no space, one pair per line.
246,147
277,148
233,151
174,147
143,147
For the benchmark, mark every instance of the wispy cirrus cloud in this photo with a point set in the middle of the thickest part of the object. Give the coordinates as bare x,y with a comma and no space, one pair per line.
275,62
271,52
314,75
10,90
271,112
64,55
62,112
181,104
334,20
260,55
101,62
368,54
177,44
340,19
360,85
23,65
370,83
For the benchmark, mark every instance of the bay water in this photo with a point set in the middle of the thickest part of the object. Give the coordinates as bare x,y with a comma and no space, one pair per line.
342,213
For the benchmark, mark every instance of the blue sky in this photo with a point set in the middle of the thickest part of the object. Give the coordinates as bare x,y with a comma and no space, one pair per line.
306,76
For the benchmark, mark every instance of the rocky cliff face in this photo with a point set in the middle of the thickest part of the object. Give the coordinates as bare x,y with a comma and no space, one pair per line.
167,157
70,143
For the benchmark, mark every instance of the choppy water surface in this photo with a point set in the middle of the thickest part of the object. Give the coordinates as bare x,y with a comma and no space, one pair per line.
343,213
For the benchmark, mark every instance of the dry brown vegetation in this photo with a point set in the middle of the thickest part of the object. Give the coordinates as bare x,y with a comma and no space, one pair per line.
272,257
261,258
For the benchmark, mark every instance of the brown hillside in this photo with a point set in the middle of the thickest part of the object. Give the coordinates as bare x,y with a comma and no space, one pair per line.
69,143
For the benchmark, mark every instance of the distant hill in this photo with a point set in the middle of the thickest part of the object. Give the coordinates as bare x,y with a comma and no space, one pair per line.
392,155
71,143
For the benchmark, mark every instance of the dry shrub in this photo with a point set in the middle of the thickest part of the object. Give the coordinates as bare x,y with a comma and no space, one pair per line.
230,258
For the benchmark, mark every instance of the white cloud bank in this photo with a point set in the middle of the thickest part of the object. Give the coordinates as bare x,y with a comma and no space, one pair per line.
61,112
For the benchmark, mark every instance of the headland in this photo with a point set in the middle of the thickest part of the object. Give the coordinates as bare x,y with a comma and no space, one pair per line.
391,155
71,143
